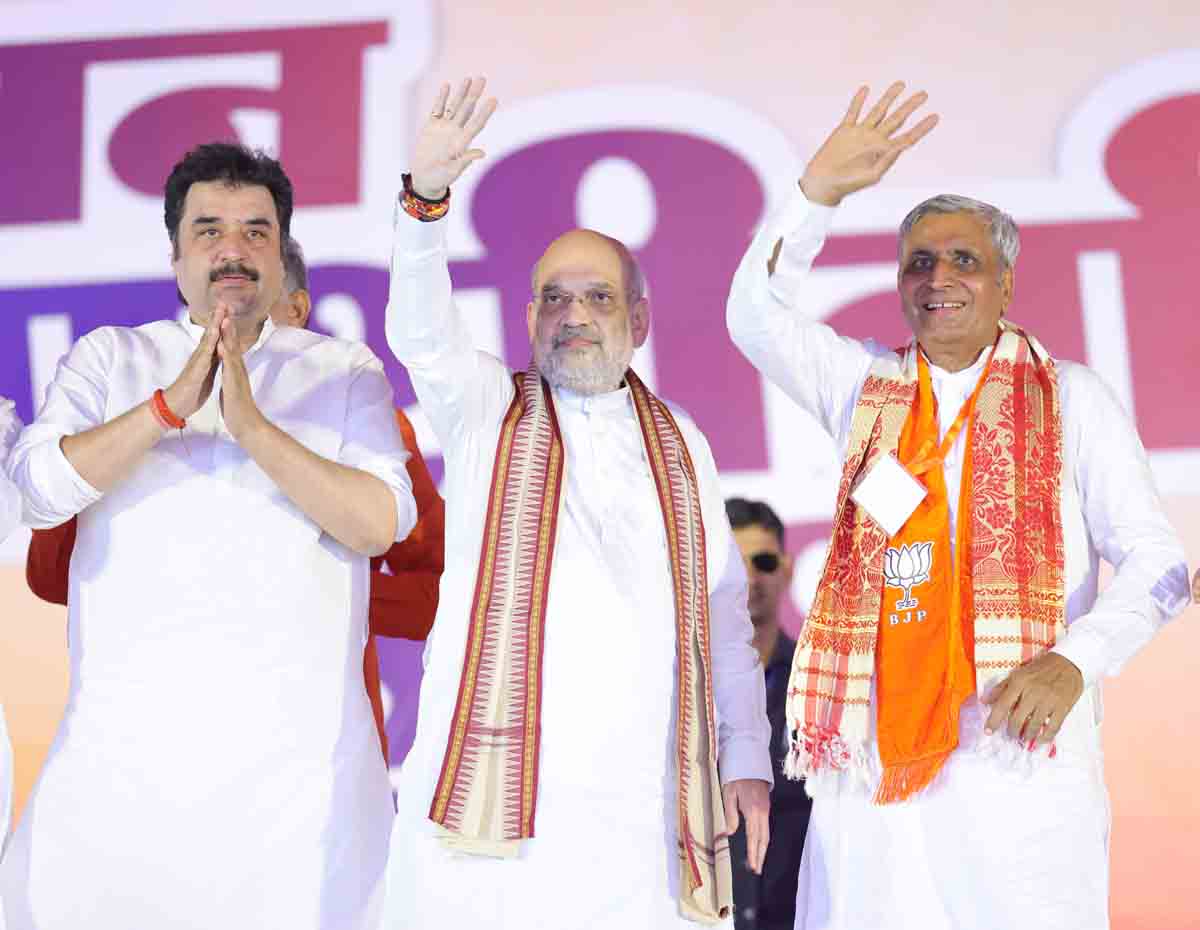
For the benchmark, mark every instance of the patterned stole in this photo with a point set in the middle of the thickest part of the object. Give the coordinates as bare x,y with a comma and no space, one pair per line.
487,791
1013,606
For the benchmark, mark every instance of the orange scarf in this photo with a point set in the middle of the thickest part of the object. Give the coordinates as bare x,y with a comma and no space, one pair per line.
1002,605
923,671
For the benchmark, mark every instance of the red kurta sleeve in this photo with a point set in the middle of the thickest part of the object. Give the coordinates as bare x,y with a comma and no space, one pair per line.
403,604
48,564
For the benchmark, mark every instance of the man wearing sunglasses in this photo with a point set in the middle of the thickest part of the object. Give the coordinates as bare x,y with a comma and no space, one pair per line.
767,901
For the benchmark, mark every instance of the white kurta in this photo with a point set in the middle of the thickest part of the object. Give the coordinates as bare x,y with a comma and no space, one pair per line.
604,854
218,764
984,847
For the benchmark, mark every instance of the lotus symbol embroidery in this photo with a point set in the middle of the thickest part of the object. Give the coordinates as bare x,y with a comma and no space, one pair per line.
906,568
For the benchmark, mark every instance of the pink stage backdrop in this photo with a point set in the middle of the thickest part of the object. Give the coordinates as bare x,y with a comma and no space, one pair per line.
673,127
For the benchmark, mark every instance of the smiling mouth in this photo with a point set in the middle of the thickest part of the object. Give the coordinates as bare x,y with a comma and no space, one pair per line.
942,306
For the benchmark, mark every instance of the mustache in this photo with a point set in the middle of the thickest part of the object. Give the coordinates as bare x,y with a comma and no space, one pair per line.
232,269
568,333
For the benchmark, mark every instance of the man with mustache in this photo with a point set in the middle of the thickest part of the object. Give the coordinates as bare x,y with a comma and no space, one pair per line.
217,765
403,597
591,722
944,697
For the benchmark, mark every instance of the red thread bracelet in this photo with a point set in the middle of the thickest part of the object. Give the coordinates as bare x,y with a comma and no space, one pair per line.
163,413
416,206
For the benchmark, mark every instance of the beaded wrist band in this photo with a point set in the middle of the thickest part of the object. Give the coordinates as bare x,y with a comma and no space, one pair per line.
416,206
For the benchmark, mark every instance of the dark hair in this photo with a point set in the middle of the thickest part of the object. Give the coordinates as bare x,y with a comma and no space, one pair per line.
236,164
742,512
295,271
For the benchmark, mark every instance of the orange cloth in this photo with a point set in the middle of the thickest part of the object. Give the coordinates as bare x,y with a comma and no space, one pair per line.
403,604
923,672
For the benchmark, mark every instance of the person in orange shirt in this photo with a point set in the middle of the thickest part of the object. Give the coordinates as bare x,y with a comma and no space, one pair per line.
404,599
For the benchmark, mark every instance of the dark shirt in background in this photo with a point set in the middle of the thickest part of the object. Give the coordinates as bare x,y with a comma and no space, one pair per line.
768,901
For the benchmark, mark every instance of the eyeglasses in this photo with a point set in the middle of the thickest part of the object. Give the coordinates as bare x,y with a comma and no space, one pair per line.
765,562
594,299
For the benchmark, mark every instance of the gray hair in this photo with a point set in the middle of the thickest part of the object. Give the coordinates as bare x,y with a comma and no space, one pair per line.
295,271
1003,229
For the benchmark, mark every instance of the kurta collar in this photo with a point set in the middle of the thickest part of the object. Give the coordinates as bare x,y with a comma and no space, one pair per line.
970,373
196,332
611,403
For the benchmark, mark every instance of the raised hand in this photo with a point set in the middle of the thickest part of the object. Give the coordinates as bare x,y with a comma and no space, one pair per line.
442,151
862,148
195,383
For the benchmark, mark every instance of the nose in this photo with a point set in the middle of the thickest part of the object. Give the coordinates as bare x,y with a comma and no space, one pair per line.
942,273
577,313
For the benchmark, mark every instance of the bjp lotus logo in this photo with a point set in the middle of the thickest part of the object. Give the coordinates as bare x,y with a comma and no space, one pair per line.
906,568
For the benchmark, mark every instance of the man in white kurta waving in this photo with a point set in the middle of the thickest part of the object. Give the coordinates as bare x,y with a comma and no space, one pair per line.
592,721
218,764
944,698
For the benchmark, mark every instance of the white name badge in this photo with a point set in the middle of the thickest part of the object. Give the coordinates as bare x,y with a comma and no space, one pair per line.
889,494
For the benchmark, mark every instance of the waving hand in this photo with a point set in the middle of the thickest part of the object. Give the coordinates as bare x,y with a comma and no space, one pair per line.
862,148
443,147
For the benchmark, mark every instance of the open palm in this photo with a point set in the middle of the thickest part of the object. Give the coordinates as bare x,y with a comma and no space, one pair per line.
443,148
862,148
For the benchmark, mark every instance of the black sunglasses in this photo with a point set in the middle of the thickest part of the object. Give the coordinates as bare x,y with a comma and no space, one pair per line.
765,562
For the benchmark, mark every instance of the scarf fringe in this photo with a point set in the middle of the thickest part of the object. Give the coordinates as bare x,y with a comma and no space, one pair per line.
901,782
829,767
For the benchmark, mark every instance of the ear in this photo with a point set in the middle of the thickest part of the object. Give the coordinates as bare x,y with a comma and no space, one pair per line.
1006,288
299,307
639,321
531,320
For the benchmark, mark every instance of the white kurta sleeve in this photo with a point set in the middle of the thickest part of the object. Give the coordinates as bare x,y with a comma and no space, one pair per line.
10,497
1127,526
744,731
371,440
818,369
739,690
52,490
458,386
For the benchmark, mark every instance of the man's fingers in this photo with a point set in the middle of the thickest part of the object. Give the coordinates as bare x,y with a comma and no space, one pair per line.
896,120
474,92
1001,697
856,105
439,102
1050,726
479,119
1022,716
758,836
917,133
457,98
879,111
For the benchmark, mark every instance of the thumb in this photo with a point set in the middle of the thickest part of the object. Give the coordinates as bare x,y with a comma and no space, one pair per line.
992,694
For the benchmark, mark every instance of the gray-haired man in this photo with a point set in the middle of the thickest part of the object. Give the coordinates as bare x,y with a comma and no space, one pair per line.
954,650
